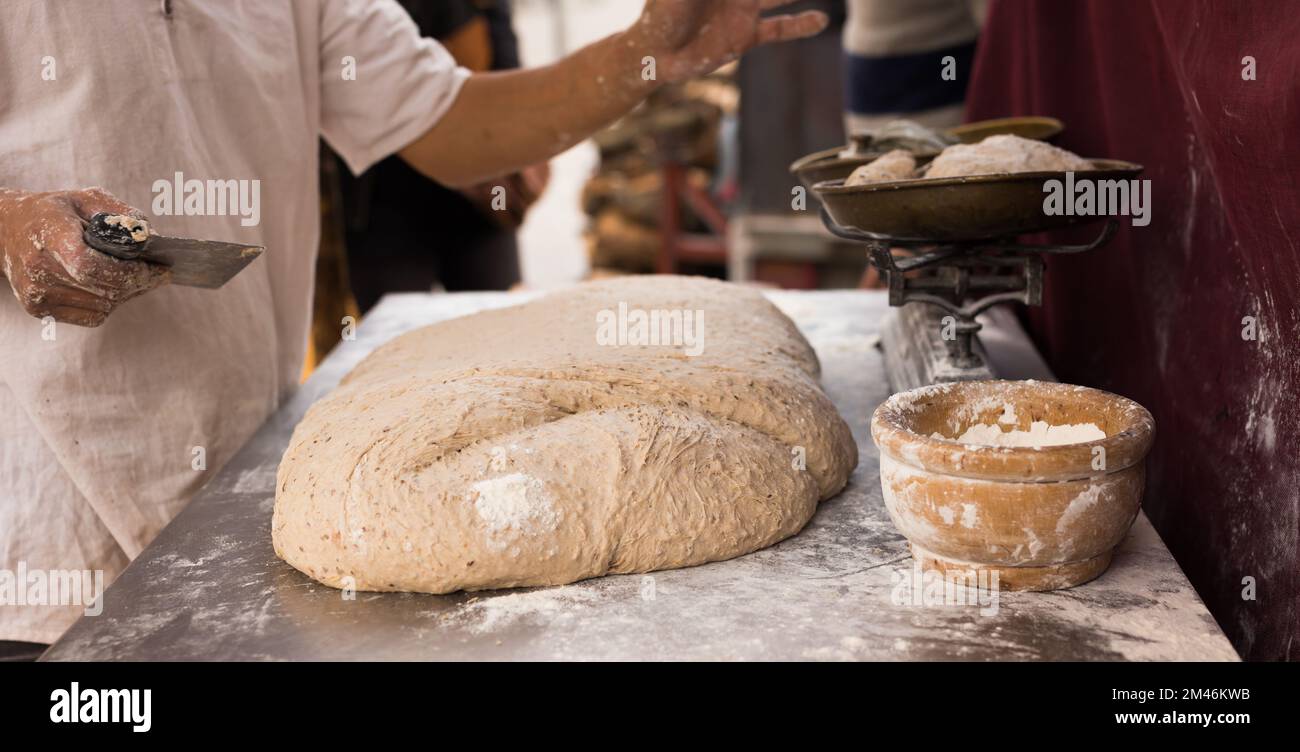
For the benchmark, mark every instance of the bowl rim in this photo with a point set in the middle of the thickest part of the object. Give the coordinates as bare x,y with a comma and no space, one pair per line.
890,429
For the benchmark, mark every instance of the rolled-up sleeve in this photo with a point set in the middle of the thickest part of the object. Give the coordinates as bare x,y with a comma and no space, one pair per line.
403,85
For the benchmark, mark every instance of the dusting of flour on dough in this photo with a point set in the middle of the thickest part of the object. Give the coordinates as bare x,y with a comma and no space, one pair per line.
1004,153
513,505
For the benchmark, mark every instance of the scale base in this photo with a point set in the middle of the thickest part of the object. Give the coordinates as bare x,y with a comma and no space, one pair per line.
916,354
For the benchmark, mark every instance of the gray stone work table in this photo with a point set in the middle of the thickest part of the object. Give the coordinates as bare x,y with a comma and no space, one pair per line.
211,588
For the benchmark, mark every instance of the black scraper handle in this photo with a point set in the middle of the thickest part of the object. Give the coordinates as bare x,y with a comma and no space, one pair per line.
114,240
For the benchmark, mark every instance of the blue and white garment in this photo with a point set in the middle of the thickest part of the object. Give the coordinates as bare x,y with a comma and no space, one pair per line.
895,54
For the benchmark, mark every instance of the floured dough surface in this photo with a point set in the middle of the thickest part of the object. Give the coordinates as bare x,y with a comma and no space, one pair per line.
512,448
893,165
1003,154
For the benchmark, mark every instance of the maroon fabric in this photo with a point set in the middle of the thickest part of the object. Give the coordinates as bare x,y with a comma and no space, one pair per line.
1157,315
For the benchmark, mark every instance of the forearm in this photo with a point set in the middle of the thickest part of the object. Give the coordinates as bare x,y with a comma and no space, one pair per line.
502,122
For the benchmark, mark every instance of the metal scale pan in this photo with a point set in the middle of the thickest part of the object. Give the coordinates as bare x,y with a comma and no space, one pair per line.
840,162
976,207
962,232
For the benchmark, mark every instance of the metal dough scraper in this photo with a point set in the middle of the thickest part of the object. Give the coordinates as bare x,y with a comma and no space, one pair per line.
208,264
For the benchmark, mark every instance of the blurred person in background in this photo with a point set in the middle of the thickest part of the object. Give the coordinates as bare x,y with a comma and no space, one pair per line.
895,55
895,59
407,233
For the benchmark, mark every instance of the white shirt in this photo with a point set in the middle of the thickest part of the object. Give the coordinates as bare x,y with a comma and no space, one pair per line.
99,427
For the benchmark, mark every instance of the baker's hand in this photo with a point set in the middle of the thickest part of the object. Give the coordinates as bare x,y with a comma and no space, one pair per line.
689,38
52,271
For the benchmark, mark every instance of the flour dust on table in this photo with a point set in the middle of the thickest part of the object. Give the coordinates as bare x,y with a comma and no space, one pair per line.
562,439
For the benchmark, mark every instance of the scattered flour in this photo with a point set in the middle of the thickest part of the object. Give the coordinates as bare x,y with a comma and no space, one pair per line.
1040,434
1035,545
1078,505
540,607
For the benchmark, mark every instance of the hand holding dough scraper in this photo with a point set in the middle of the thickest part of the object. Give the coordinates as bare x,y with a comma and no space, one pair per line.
194,263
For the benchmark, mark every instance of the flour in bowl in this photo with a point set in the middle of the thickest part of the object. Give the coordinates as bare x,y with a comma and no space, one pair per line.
1040,434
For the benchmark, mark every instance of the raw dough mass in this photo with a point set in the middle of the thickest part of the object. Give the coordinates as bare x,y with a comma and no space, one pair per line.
510,448
894,165
1003,154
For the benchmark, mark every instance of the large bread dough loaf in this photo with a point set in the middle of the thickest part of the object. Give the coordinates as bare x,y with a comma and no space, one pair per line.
510,448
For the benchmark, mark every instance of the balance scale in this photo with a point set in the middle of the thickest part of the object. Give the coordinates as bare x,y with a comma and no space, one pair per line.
940,288
958,237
